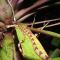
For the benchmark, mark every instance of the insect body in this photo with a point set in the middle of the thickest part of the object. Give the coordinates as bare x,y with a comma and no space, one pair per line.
31,44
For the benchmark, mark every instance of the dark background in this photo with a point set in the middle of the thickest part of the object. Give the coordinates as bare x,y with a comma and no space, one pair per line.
51,12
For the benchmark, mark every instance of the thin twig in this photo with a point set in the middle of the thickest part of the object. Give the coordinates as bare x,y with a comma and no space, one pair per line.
40,31
24,11
53,25
57,2
46,6
44,26
33,21
24,17
46,32
44,21
8,26
50,25
12,9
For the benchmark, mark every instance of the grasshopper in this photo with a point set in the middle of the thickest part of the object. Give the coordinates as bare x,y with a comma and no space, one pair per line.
29,46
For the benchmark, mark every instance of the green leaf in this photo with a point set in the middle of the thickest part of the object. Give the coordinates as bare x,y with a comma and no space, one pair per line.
56,42
58,58
6,52
55,53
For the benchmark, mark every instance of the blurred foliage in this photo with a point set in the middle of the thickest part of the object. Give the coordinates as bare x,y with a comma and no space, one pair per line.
7,51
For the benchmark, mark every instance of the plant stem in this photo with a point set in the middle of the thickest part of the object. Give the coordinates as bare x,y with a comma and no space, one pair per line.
46,32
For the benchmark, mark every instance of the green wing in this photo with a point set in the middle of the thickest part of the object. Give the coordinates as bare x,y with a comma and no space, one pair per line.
27,47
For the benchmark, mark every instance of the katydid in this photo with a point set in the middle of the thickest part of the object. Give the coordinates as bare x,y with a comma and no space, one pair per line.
30,47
